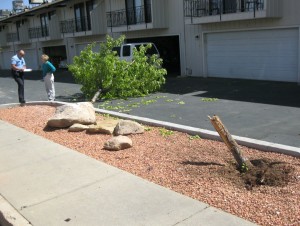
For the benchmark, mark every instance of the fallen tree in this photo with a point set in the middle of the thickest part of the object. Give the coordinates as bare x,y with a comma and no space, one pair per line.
103,71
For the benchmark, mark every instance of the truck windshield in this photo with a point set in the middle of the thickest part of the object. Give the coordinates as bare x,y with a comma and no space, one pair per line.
126,50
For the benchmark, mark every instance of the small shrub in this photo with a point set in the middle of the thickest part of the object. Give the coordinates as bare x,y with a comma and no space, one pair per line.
165,132
194,137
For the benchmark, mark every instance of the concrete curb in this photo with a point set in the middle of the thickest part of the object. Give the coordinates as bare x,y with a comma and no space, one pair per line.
9,216
51,103
248,142
207,134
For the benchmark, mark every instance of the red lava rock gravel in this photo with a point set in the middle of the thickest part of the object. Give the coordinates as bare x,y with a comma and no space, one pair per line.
197,168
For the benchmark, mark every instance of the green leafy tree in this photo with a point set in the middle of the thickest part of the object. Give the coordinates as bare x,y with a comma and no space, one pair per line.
117,78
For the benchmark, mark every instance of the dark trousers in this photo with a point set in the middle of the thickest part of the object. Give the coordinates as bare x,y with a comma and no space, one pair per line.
19,78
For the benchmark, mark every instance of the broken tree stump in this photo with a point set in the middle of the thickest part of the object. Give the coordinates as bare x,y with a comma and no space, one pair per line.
230,142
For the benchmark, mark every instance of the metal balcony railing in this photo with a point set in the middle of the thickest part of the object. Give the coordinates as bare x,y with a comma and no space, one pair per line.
202,8
75,25
12,37
136,15
38,32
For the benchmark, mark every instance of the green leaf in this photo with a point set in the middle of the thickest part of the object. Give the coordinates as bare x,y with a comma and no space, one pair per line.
209,99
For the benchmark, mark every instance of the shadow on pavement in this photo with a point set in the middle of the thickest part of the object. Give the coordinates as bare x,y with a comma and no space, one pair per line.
61,75
77,97
266,92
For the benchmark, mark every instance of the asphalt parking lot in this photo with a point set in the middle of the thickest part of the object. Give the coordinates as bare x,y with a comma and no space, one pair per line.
268,111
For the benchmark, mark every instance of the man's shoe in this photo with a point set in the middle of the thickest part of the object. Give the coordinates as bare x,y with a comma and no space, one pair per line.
22,102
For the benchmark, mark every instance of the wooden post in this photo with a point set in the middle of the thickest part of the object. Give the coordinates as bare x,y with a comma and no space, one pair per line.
230,142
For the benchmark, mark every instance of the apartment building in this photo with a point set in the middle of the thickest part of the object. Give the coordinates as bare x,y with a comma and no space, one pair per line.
247,39
4,13
62,28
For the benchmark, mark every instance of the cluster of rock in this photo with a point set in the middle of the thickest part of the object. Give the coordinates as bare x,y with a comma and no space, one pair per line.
82,117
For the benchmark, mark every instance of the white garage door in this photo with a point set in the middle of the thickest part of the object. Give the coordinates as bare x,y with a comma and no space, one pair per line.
79,48
6,59
31,59
262,55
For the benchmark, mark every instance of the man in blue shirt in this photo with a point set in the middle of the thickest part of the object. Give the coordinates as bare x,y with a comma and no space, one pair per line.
18,66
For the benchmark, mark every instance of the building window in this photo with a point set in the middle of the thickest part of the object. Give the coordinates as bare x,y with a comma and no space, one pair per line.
51,14
79,17
18,25
138,11
148,17
44,24
89,8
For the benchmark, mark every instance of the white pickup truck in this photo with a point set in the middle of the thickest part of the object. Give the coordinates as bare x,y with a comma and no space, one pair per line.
125,51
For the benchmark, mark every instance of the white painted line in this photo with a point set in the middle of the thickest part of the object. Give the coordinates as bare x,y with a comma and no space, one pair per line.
194,93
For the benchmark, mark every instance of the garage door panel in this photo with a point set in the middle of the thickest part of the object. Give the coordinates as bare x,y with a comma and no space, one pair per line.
31,59
6,59
243,67
261,74
265,55
79,48
250,54
261,51
274,61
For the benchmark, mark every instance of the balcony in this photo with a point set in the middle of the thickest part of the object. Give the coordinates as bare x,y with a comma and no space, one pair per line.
12,37
75,25
148,16
210,11
133,16
38,32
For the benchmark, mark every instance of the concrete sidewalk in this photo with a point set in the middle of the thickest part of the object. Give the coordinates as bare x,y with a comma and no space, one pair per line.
43,183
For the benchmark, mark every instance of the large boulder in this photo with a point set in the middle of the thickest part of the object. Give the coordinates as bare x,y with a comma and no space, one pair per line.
118,143
78,127
127,127
106,126
69,114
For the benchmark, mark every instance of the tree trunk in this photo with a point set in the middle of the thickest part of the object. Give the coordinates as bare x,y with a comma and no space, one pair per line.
230,142
96,96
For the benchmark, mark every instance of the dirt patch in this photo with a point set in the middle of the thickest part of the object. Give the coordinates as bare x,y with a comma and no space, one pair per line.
199,168
269,173
264,172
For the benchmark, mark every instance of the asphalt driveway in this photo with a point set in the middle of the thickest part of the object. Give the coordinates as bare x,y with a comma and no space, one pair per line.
268,111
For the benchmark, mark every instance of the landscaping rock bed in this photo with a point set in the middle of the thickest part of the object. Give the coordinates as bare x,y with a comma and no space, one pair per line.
202,169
